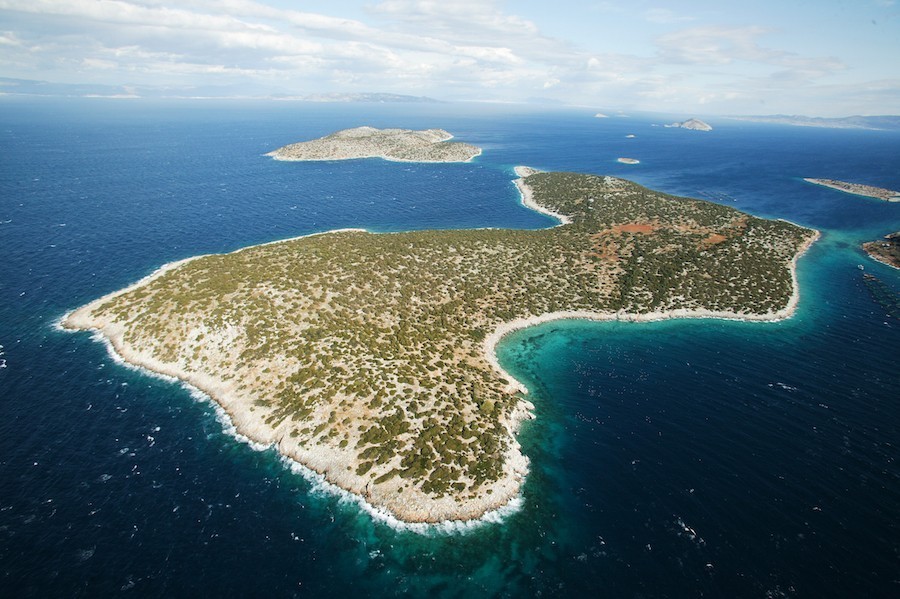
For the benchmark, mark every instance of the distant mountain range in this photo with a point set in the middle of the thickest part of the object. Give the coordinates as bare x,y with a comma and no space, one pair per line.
30,87
848,122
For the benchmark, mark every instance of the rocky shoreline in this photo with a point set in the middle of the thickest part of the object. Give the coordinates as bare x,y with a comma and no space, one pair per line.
886,250
879,193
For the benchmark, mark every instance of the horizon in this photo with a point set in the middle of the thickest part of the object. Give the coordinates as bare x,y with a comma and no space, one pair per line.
530,104
765,59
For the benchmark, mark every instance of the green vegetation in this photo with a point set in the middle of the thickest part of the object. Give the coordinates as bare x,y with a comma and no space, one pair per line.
430,145
372,345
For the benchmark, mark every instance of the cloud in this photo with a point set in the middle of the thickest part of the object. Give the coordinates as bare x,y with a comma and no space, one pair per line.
9,38
460,19
461,48
665,16
712,45
722,46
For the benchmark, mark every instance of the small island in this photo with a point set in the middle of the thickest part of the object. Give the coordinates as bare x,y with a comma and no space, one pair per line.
692,124
369,358
888,195
886,250
628,160
399,145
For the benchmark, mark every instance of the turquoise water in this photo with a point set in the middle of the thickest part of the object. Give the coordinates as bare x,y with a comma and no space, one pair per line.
680,458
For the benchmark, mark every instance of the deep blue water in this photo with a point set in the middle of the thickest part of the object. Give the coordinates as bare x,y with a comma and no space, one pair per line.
692,458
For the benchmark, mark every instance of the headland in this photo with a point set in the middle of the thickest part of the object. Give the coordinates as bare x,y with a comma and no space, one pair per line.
886,250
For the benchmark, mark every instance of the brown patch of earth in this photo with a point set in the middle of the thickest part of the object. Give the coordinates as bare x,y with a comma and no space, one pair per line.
644,228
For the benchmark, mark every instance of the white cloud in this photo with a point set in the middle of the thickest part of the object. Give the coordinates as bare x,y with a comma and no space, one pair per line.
711,45
455,48
9,38
459,18
723,46
665,16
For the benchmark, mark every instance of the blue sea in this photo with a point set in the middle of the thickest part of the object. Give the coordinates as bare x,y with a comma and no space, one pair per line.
674,459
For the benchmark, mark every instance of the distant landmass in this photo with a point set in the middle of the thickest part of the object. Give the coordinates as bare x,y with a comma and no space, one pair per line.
31,87
692,124
356,97
849,122
879,193
401,145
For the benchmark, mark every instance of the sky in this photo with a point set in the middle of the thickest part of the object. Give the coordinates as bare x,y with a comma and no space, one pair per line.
813,57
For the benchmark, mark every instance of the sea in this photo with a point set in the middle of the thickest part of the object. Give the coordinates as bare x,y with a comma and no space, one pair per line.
691,458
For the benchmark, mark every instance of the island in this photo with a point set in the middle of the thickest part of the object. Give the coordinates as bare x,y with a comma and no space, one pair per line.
888,195
886,250
692,124
628,160
399,145
369,358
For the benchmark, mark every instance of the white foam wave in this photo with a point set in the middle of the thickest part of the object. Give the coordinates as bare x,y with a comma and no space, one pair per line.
57,324
223,418
321,485
97,336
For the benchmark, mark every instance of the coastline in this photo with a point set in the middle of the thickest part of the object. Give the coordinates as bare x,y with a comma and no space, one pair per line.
885,250
367,157
505,493
880,261
492,340
527,196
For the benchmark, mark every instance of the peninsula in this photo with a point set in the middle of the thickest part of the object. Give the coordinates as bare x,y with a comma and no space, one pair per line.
369,358
401,145
888,195
886,250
